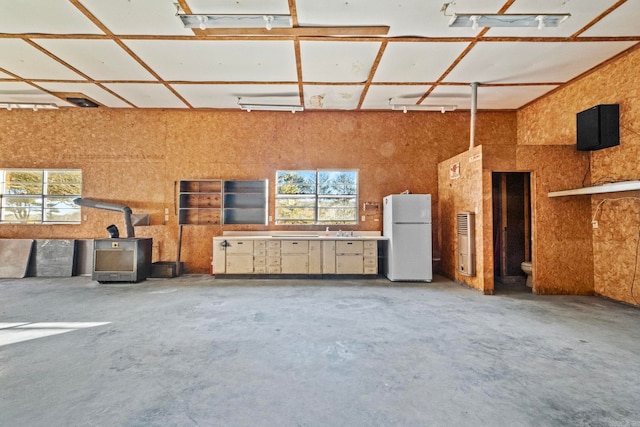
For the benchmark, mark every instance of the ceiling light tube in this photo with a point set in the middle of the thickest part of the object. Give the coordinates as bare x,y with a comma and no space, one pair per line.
248,107
35,106
422,107
204,21
513,20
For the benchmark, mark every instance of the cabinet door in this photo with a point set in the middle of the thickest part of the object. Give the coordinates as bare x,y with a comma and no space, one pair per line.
315,257
239,264
349,264
219,257
295,264
329,257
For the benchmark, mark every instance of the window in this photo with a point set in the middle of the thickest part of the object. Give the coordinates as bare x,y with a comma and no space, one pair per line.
36,196
317,197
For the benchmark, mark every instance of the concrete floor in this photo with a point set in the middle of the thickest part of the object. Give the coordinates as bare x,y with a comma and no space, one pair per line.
193,351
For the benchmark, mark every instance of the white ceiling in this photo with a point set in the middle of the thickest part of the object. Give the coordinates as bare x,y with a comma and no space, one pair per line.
137,54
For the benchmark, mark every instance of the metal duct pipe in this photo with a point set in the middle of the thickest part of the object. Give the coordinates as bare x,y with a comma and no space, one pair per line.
474,112
109,207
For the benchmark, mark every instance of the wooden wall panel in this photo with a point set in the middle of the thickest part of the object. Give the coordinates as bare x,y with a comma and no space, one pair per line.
134,157
552,121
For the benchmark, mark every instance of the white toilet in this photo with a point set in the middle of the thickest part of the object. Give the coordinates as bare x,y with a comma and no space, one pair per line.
526,267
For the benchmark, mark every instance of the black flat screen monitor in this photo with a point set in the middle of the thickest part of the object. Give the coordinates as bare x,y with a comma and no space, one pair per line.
598,127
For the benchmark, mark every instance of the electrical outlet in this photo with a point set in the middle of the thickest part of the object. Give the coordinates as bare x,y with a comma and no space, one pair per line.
364,218
594,224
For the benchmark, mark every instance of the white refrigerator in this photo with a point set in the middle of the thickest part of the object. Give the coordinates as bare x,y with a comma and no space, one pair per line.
407,224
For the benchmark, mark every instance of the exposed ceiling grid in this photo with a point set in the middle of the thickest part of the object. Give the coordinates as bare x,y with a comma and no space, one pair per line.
338,55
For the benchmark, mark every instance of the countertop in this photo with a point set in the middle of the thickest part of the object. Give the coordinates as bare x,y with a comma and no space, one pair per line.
266,235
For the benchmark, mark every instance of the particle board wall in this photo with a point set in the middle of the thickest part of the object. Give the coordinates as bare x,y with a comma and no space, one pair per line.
134,158
551,120
561,248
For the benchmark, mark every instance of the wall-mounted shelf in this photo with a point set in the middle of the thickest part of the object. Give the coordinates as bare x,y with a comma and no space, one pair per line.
200,202
245,202
597,189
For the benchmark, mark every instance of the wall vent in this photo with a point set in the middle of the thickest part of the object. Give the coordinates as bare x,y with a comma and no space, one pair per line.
466,243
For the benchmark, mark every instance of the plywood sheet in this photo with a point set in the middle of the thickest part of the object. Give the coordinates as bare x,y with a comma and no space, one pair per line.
53,258
14,257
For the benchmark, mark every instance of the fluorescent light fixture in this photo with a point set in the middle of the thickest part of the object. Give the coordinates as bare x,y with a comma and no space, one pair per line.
269,107
204,21
518,20
422,107
27,106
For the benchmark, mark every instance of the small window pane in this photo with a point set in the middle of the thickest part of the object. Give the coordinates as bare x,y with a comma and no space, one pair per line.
22,214
296,182
23,182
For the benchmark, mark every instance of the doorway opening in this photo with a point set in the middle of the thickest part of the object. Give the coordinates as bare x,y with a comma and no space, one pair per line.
511,230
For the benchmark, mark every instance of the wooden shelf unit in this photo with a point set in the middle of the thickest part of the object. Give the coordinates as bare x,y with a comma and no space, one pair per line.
200,202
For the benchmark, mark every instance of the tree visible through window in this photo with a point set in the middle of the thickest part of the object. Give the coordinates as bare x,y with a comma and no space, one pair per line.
40,196
317,197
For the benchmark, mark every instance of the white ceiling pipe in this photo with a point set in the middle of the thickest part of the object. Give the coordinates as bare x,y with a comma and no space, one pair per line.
474,111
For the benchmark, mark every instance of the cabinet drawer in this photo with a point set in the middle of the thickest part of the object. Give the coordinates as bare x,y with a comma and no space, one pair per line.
273,252
273,260
259,244
349,247
259,251
370,270
273,269
259,261
260,270
295,246
273,244
370,244
370,262
370,253
239,247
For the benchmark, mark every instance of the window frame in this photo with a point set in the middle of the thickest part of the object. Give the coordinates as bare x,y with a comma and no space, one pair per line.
42,201
316,199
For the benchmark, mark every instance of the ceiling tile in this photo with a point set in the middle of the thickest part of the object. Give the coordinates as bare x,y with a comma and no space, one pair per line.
531,62
417,61
226,60
147,95
582,12
334,97
99,59
226,95
378,96
19,58
404,17
91,90
44,17
23,92
621,22
489,97
138,17
334,61
276,7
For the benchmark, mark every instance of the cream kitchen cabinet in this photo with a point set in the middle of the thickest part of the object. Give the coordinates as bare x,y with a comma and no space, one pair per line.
239,259
313,256
349,257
